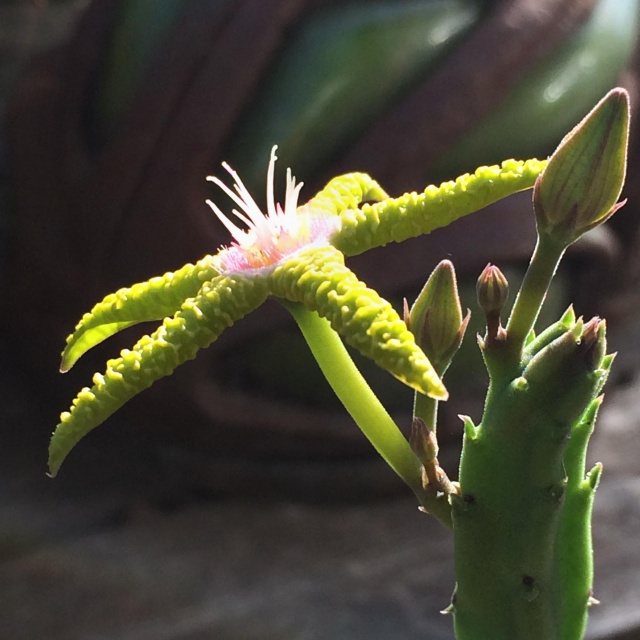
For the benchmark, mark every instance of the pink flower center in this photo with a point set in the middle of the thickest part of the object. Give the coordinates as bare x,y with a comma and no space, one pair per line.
269,238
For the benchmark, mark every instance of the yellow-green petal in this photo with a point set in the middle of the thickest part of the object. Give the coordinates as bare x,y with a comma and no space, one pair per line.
414,214
152,300
318,278
345,192
199,321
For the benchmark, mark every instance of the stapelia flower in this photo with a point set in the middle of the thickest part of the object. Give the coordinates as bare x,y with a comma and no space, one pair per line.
295,253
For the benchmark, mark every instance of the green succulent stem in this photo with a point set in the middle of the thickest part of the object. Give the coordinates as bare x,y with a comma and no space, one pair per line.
522,530
364,407
495,554
522,520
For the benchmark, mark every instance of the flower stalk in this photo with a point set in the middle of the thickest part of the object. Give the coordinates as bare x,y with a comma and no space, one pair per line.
366,410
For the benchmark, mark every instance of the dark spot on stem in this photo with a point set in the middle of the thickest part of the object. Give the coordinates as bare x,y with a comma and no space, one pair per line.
531,591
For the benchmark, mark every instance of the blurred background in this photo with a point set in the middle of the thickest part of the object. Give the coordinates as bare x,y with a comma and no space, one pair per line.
235,499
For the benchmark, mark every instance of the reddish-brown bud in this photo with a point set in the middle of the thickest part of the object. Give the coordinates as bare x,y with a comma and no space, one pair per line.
492,290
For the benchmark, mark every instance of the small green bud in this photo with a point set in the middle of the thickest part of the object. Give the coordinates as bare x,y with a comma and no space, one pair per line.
436,318
492,290
580,187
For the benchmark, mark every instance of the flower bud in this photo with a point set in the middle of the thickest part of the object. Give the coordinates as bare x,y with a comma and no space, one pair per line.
423,442
492,290
436,317
580,187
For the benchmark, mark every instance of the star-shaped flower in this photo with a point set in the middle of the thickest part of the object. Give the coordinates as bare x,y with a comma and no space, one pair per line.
294,253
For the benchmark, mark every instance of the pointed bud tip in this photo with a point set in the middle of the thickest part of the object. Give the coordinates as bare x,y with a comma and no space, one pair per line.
619,94
590,330
594,342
